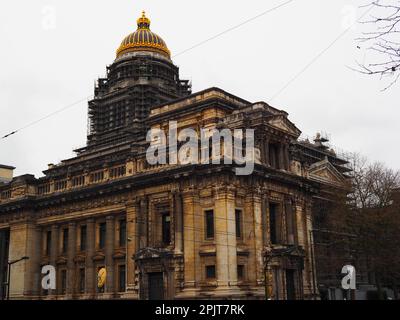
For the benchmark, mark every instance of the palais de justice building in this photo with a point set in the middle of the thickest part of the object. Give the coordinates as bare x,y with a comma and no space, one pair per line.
167,231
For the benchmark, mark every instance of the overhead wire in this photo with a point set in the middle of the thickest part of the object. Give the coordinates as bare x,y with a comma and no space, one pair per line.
178,54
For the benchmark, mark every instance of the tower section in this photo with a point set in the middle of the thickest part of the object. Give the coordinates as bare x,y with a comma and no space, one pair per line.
142,75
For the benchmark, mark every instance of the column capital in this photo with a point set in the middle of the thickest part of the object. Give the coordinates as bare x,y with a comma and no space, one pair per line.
72,224
223,190
90,220
257,192
175,190
55,227
131,202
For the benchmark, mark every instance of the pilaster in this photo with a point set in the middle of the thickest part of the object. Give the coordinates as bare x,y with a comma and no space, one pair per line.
71,255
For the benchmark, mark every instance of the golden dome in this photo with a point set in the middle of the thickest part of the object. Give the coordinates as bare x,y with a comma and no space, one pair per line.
143,40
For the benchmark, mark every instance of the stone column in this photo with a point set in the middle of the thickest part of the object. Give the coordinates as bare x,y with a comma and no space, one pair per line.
287,160
131,247
231,236
300,224
54,250
3,264
25,275
71,272
225,238
109,251
261,145
143,221
90,248
248,223
189,240
266,143
309,274
258,236
264,205
178,223
281,160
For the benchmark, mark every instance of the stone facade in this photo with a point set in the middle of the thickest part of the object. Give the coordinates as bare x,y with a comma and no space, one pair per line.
194,231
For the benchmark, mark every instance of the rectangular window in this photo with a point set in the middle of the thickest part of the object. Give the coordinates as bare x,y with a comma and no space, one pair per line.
277,283
63,281
83,238
60,185
210,272
240,271
44,188
290,285
209,216
82,279
121,278
78,181
166,228
273,222
117,172
6,194
122,233
48,243
96,176
102,235
238,221
273,155
64,241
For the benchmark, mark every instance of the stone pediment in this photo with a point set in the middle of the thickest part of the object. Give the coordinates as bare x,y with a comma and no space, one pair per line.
282,123
98,256
80,258
324,171
119,254
151,253
61,260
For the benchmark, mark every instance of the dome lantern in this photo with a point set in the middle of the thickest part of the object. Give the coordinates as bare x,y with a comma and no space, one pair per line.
143,22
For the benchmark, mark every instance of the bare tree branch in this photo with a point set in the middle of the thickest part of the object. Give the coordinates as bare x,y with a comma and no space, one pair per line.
384,41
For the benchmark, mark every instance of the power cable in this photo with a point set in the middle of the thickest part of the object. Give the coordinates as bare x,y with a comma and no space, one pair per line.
178,54
319,55
46,117
234,27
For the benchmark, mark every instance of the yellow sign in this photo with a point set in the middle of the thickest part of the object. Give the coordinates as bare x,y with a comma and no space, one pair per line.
101,277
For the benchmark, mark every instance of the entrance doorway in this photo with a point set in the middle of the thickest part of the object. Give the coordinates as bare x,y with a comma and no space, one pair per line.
156,286
290,286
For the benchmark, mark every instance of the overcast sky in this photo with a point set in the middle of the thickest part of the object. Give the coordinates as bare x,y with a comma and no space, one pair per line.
53,51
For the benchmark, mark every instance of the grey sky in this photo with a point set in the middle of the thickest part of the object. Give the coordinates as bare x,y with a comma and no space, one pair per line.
45,68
